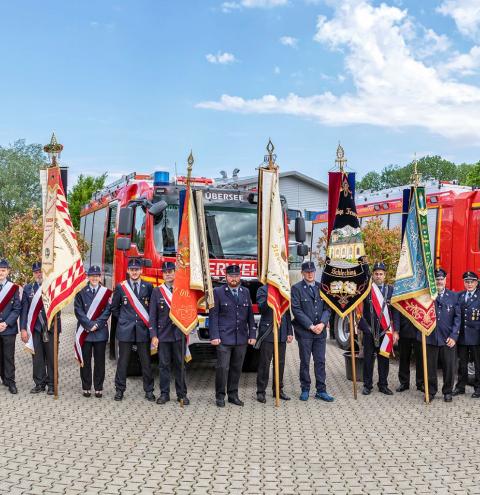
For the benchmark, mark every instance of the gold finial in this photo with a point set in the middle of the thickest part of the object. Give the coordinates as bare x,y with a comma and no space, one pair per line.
270,158
54,150
340,160
190,161
416,177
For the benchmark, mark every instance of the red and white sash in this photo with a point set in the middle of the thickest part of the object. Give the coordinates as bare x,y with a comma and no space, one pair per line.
383,315
33,311
135,303
167,295
94,311
6,294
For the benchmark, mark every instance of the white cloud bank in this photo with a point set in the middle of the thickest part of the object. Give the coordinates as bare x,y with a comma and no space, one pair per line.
394,86
289,41
221,58
465,13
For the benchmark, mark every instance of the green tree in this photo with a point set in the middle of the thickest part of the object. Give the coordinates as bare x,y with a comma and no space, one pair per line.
19,179
462,171
433,167
81,194
371,180
473,175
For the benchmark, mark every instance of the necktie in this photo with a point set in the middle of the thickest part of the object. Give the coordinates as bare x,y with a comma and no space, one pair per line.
312,292
469,296
1,287
135,288
235,294
94,291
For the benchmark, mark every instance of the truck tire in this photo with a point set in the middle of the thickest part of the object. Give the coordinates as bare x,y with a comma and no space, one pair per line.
341,331
252,358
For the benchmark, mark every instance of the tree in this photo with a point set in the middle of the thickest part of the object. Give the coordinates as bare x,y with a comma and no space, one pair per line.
82,193
19,179
21,243
473,175
371,180
462,171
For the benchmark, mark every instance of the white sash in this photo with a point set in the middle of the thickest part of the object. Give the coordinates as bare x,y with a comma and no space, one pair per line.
5,289
35,308
134,301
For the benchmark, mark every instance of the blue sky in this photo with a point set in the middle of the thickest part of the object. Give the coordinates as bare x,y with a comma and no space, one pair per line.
134,85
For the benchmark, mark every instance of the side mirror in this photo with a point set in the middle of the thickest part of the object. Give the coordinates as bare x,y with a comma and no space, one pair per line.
300,235
125,222
253,198
147,262
158,208
124,243
302,250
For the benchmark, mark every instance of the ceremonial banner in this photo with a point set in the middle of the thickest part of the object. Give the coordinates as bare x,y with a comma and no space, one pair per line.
272,246
414,291
192,270
62,267
345,279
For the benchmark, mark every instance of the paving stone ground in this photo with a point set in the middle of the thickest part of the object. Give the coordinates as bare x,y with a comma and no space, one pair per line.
375,445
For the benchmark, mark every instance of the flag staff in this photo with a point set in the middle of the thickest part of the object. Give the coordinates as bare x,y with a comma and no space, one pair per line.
341,161
416,178
54,149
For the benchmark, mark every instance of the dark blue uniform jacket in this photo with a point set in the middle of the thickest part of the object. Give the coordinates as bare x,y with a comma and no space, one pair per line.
266,319
83,301
161,325
470,319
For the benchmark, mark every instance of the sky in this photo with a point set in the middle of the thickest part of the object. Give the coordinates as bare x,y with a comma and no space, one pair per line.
135,85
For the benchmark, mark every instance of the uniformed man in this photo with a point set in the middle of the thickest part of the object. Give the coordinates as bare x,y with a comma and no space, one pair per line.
167,338
10,307
130,303
33,329
373,334
441,343
311,316
265,344
469,339
92,310
408,344
231,327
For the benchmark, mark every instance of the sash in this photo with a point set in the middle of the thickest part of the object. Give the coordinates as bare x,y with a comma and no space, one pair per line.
6,294
167,295
96,308
33,312
383,315
138,307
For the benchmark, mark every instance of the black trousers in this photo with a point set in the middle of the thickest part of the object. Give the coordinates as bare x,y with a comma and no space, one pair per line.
228,369
407,346
266,355
316,348
43,360
464,351
170,356
369,353
143,351
448,356
98,351
7,356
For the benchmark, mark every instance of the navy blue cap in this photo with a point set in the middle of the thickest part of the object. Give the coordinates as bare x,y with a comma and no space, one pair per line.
94,270
470,276
37,266
232,270
308,266
440,273
168,265
4,263
134,263
379,265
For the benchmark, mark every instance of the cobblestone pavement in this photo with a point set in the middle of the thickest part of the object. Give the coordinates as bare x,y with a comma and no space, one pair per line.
376,444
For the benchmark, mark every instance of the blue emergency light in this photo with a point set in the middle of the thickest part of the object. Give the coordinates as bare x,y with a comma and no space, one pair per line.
161,178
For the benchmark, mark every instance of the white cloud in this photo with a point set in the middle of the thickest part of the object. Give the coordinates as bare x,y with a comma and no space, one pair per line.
463,64
221,58
276,70
465,13
289,41
393,86
252,4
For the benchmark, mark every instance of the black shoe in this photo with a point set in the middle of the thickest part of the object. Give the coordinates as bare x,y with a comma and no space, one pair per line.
87,393
186,401
366,391
118,395
150,397
261,398
37,389
98,394
476,395
421,388
385,390
235,400
220,403
13,389
403,387
447,398
50,391
283,395
163,399
458,391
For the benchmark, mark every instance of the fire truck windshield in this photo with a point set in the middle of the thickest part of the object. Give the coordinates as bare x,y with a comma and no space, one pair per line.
231,231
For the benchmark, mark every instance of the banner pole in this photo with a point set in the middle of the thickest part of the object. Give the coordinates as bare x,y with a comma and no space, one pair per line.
352,353
275,362
425,369
55,358
182,374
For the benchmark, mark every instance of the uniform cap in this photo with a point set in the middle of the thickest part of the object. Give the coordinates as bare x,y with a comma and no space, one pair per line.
308,266
440,273
4,263
232,270
379,265
134,263
470,276
94,270
37,266
168,265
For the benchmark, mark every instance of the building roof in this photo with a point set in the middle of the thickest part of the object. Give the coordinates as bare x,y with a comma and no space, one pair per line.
252,179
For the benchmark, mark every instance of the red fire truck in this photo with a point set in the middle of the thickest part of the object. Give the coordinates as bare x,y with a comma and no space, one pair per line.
454,228
138,216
